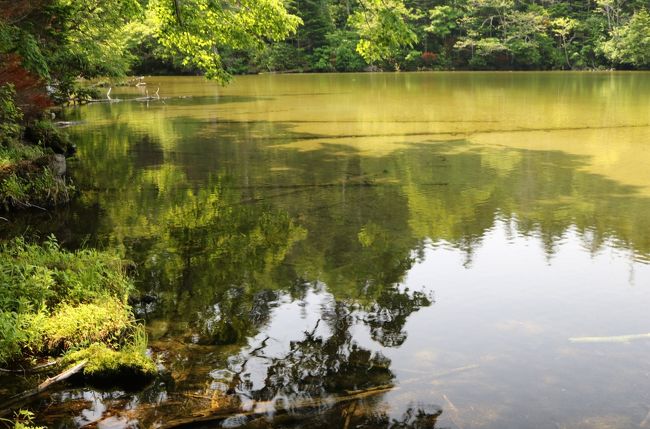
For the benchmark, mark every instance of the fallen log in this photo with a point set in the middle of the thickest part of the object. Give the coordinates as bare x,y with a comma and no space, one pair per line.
21,398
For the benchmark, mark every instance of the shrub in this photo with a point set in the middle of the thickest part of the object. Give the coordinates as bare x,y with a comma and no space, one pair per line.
23,419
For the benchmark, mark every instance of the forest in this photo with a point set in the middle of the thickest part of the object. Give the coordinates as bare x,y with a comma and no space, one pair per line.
356,35
58,40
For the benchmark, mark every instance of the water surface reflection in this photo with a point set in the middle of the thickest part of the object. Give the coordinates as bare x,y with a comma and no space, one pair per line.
426,242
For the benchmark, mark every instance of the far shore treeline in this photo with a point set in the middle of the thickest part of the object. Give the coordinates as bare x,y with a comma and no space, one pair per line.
61,40
355,35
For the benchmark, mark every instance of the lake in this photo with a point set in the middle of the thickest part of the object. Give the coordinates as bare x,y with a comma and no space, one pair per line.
464,250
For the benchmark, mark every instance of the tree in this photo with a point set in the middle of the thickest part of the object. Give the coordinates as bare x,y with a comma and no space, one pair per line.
58,41
630,43
317,23
384,30
339,54
198,29
564,28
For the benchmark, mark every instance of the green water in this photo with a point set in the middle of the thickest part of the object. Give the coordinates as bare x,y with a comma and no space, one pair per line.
301,237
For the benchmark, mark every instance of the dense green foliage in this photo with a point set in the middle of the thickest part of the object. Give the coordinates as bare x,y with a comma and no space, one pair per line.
54,302
58,41
197,30
26,175
10,115
467,34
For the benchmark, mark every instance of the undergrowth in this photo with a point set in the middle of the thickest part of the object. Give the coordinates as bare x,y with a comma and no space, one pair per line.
26,154
56,303
23,419
33,187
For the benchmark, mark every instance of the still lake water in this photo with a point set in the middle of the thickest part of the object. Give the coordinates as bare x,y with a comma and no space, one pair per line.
441,237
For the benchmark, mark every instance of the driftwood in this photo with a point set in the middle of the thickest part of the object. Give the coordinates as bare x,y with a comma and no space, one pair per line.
614,339
263,409
23,397
150,97
65,124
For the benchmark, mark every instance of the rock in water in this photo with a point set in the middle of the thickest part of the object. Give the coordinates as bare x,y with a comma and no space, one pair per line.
58,165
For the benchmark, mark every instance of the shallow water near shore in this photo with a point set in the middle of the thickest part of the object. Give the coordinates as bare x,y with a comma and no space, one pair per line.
466,250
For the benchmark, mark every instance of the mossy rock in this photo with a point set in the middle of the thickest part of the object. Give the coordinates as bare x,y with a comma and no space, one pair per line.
127,368
44,133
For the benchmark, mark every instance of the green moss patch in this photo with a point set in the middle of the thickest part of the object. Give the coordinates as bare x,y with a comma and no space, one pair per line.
74,326
128,366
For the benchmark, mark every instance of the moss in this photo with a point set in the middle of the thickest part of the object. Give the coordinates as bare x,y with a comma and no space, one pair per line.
45,134
129,366
74,326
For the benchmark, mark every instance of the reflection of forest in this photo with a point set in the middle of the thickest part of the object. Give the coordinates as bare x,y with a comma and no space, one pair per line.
219,222
223,225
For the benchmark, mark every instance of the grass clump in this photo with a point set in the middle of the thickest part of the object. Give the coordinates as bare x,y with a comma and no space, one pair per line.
29,185
57,303
12,154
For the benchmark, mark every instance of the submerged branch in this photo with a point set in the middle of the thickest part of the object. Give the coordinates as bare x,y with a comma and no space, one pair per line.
454,371
613,339
22,397
32,370
332,185
262,409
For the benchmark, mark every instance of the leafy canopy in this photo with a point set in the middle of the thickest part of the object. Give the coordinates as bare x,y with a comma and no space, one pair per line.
197,30
384,29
